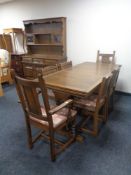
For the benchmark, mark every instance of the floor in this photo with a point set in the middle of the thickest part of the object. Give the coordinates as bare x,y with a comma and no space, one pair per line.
108,154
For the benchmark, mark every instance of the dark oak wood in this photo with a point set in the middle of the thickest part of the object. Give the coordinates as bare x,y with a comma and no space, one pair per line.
16,63
93,105
46,38
80,80
48,119
31,70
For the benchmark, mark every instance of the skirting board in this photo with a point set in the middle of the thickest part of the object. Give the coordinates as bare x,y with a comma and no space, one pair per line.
122,93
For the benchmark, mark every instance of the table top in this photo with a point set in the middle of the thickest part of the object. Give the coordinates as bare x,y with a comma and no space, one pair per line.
80,80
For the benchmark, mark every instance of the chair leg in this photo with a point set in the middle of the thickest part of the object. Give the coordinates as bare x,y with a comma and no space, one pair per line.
111,103
105,113
73,129
10,79
95,125
52,145
29,134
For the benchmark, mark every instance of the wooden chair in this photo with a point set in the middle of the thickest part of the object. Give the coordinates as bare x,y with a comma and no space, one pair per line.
112,87
50,120
46,70
105,58
33,68
93,106
61,96
28,70
65,65
29,67
5,66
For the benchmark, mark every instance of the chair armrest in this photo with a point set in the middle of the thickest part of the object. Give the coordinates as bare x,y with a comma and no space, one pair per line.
57,108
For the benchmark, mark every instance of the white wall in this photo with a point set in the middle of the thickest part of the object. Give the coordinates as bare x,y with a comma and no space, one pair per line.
91,25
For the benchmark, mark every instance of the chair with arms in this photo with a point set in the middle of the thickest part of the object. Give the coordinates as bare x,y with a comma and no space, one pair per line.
39,113
92,107
5,66
46,71
105,57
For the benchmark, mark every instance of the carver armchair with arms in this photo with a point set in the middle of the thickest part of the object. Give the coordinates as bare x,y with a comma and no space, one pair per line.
52,121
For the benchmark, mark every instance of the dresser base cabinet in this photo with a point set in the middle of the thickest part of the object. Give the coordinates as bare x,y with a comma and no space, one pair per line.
16,63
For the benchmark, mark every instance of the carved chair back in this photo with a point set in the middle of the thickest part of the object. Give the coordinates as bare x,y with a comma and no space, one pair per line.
105,57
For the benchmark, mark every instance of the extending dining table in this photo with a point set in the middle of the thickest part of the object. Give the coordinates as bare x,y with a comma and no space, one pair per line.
80,80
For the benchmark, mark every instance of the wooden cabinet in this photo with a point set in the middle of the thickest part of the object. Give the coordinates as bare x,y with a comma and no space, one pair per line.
46,38
16,58
5,42
17,35
16,63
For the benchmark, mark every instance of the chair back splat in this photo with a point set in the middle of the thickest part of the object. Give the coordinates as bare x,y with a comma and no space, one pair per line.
29,91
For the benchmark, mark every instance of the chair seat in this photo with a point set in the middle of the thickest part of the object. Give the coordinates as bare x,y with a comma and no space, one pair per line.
51,94
88,103
58,118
